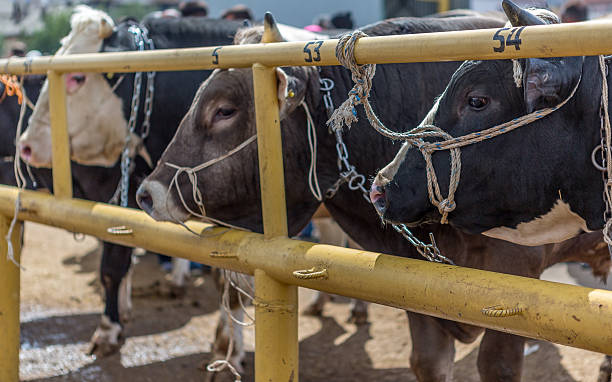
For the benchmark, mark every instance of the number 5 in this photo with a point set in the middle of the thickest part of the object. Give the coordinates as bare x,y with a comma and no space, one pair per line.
498,37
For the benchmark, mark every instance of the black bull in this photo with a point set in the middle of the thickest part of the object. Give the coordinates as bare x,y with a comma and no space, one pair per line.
534,185
222,117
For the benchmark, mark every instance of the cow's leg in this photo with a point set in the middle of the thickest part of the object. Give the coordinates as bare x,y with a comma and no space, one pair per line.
500,357
178,277
315,308
228,330
116,262
433,349
605,370
125,296
359,312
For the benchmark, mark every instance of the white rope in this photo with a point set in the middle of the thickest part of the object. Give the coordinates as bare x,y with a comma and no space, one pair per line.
191,173
20,180
608,146
313,180
219,365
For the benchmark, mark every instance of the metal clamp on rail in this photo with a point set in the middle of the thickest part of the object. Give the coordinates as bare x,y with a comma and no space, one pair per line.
120,230
311,274
223,255
500,311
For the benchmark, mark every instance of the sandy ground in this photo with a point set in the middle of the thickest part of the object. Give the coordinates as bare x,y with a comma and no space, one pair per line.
168,339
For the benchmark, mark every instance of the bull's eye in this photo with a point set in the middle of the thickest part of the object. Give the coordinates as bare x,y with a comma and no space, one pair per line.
224,112
478,103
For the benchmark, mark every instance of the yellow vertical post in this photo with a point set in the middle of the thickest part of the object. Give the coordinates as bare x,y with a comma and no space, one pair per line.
443,5
62,178
276,323
9,303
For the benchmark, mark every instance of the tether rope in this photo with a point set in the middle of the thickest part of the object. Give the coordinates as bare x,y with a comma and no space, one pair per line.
196,194
607,149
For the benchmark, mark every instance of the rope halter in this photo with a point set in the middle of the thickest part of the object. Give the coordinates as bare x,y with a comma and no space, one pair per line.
196,194
346,114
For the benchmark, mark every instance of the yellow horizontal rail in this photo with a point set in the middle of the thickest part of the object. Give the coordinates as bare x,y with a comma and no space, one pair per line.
577,39
565,314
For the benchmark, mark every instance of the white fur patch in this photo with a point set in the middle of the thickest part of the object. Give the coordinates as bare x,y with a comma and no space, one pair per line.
125,297
96,125
559,224
238,353
107,332
180,271
386,175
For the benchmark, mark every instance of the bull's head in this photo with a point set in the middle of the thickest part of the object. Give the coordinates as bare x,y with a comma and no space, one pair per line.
220,119
510,181
96,125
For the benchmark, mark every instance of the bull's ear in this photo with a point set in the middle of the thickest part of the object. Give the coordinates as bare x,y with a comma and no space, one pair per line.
547,82
291,92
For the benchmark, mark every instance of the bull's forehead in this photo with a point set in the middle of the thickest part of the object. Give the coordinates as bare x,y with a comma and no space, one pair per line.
478,72
235,84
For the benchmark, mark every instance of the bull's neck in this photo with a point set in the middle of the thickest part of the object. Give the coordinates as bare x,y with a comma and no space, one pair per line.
368,152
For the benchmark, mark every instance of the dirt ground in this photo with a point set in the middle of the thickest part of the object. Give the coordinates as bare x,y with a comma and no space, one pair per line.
168,339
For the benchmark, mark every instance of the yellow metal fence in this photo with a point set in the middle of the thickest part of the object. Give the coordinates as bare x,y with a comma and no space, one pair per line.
576,316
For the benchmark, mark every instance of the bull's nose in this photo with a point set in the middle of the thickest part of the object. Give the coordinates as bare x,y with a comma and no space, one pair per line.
144,199
25,151
377,197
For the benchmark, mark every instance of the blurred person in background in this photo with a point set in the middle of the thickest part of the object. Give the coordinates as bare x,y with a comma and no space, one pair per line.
574,11
193,8
18,49
238,12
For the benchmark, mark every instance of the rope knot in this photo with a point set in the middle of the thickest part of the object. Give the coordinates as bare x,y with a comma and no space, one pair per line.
346,114
446,206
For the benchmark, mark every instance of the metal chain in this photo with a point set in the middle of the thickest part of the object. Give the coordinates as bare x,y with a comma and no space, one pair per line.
356,182
348,172
150,92
141,39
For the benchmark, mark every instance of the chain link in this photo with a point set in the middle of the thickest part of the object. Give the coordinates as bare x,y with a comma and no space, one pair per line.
348,172
356,182
142,40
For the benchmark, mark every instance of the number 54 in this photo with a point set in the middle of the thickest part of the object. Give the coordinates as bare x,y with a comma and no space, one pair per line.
512,39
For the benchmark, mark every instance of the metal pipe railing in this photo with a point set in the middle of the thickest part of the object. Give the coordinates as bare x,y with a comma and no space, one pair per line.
565,314
577,39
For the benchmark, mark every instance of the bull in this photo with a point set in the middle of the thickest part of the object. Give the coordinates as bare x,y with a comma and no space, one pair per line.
534,185
221,124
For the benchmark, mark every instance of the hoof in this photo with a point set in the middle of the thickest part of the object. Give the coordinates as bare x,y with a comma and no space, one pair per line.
178,291
125,315
313,309
358,318
107,339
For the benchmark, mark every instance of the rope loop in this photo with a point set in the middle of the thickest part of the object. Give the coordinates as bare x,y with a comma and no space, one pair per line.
311,274
498,311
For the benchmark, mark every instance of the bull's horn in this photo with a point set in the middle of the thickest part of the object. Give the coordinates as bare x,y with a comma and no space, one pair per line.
519,17
271,32
105,30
